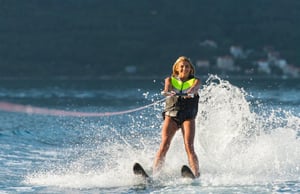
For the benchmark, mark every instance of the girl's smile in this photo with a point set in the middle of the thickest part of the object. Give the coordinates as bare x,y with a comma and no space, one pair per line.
183,69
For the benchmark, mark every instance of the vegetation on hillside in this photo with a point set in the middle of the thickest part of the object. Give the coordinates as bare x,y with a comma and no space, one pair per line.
96,38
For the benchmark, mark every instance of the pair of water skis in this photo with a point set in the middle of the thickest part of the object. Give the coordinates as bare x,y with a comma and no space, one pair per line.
186,172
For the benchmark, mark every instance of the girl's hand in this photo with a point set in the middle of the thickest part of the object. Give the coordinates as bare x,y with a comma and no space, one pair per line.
193,90
171,93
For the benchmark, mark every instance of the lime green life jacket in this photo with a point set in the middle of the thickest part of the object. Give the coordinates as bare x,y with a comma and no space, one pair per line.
180,107
180,86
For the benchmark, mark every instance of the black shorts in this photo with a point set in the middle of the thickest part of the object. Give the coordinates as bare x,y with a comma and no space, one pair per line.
182,116
182,110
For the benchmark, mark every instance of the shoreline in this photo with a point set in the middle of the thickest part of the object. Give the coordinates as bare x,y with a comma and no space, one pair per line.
152,77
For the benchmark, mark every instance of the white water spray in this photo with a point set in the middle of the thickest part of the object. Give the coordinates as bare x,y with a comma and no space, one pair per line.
235,145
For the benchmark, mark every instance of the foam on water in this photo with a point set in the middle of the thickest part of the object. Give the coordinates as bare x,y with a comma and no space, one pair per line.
238,143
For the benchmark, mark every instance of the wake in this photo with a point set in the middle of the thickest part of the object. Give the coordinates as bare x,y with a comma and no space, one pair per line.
237,143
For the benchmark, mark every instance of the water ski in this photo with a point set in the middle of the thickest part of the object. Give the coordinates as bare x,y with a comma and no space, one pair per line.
186,172
139,170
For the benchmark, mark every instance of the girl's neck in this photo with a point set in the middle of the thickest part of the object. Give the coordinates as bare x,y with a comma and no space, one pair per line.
183,78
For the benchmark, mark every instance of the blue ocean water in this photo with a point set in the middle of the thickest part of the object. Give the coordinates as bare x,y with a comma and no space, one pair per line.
247,137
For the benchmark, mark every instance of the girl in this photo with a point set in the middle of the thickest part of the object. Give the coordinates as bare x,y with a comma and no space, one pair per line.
180,111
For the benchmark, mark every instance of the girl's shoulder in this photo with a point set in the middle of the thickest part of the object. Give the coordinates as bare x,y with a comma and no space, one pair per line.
168,78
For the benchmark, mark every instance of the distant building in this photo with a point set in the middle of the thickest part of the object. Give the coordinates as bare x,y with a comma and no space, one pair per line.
202,63
226,63
281,63
291,70
237,52
263,66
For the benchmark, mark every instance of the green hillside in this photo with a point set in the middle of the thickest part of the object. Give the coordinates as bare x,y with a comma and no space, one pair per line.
98,38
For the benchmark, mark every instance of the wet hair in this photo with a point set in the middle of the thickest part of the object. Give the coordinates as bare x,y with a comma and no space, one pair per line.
185,59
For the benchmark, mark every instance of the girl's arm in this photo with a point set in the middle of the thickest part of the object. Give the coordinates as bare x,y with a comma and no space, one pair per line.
168,89
168,85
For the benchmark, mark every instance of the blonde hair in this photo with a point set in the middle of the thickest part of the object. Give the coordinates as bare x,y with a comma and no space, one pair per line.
184,59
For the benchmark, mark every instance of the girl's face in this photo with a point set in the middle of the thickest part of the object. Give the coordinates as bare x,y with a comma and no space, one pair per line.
184,69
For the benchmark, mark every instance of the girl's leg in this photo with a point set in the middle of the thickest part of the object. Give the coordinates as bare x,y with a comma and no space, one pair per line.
168,131
188,131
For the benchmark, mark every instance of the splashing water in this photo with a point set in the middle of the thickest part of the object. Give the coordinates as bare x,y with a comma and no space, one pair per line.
238,143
